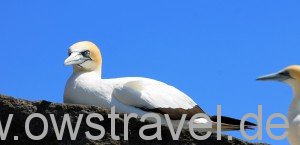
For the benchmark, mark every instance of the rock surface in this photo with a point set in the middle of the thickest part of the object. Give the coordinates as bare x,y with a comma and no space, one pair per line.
22,109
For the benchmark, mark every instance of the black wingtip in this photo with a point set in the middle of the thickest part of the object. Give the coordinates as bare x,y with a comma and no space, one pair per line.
233,121
247,123
250,127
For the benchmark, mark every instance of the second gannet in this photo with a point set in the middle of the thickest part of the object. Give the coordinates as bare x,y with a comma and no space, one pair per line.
129,95
291,76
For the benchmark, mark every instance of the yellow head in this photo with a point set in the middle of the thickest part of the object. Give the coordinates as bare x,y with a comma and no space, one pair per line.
290,75
85,56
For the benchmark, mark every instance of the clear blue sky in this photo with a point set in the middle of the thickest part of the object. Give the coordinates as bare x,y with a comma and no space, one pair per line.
213,51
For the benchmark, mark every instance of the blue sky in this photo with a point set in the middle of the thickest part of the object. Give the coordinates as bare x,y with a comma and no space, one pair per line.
211,50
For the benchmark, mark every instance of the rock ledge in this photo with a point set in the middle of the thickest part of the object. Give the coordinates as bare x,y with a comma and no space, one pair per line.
22,108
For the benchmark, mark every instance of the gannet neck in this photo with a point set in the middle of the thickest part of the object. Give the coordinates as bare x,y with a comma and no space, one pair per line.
295,106
296,88
77,69
294,109
97,72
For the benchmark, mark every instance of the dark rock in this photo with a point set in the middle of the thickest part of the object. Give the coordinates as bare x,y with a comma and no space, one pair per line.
22,109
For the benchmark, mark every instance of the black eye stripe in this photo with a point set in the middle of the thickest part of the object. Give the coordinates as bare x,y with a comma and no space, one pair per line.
285,73
86,53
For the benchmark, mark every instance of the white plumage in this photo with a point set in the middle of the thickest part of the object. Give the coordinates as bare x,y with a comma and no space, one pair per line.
291,76
88,88
128,95
148,93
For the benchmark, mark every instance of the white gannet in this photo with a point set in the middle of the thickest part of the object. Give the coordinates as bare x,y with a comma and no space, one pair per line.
131,94
291,76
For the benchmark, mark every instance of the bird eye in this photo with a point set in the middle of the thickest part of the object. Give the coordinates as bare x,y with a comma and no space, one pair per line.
86,53
69,53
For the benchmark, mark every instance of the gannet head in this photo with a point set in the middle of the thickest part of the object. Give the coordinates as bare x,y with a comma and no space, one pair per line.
84,56
290,75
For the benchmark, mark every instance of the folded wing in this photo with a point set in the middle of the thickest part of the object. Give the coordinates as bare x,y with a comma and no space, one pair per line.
155,96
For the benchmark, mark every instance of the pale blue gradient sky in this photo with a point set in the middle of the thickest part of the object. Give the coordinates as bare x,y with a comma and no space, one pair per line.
213,51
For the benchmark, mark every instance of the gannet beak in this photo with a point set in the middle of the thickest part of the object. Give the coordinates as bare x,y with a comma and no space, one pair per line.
280,76
269,77
75,58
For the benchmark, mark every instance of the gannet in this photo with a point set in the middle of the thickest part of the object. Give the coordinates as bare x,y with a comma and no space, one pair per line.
131,94
291,76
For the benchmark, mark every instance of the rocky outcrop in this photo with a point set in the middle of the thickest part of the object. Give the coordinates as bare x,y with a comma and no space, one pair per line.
22,109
